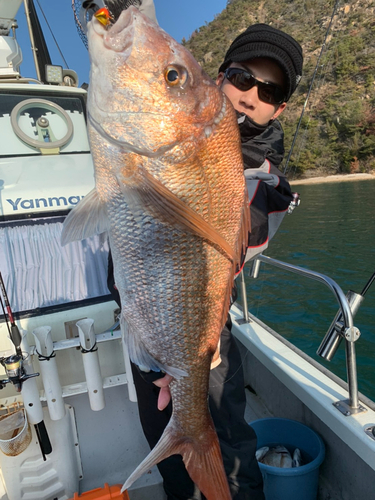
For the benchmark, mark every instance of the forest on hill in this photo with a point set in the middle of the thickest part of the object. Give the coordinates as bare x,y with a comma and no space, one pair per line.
337,132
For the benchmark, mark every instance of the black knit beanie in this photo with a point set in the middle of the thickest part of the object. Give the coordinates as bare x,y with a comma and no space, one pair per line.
261,40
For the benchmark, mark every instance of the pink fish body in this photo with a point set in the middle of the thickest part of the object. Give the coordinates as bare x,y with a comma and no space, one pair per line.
171,193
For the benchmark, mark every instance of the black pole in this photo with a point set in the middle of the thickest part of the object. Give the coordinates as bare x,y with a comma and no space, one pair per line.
43,438
14,331
368,284
5,314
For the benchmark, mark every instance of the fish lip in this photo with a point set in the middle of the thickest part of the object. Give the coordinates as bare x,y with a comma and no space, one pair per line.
97,27
119,37
115,38
126,18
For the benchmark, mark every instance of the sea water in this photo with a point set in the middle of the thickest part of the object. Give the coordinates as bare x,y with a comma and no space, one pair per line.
331,232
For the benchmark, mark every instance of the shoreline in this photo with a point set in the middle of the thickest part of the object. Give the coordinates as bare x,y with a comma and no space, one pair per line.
333,178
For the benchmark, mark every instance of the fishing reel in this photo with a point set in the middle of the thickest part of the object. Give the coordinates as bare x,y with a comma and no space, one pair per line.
15,371
294,203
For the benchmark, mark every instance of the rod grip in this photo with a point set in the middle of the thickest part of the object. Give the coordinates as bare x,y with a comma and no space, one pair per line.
15,336
43,438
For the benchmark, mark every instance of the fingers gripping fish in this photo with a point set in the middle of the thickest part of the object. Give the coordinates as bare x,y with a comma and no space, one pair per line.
171,193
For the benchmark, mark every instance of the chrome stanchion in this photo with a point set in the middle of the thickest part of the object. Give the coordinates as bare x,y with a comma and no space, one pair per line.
344,329
245,311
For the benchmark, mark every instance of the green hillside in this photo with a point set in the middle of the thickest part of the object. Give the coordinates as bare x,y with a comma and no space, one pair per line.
337,133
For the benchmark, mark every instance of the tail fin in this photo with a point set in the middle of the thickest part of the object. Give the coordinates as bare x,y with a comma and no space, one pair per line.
203,461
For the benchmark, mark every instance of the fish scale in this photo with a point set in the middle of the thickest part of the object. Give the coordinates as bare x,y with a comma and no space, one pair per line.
171,193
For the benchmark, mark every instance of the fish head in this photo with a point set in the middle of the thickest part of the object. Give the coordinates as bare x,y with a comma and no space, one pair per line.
147,94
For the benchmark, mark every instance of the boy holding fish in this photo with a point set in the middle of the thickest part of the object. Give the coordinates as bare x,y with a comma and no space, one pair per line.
260,72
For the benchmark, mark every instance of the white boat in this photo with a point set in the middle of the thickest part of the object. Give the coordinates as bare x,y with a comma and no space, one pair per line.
83,395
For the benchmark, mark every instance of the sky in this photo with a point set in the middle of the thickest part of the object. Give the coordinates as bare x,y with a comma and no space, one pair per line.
178,18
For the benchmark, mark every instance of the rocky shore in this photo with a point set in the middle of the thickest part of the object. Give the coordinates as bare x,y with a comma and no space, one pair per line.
333,178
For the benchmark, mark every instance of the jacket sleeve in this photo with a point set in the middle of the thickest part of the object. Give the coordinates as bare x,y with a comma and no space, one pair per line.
270,196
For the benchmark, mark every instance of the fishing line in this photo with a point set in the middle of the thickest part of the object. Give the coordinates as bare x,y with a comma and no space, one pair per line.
233,374
320,82
53,36
311,85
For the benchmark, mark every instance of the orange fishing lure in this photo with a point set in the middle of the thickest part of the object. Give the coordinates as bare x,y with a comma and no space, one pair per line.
104,16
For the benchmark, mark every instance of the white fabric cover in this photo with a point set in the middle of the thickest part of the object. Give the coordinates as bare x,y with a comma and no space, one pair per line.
39,272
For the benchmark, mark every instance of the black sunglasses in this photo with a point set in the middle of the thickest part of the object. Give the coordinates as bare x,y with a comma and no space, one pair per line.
243,80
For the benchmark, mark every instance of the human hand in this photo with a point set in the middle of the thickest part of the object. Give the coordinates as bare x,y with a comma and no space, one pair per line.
165,393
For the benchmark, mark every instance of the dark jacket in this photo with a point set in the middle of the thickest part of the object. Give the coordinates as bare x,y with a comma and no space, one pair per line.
269,191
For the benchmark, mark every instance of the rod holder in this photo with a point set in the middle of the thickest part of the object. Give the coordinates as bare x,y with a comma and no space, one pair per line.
91,364
30,391
336,332
48,370
254,273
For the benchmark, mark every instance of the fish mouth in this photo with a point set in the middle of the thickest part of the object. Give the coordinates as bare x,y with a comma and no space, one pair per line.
127,146
119,36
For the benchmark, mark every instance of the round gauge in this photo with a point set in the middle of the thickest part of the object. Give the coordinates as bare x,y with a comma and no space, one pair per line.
41,124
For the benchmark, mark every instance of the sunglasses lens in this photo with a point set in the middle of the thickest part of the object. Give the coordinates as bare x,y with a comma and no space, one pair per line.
244,81
266,94
270,94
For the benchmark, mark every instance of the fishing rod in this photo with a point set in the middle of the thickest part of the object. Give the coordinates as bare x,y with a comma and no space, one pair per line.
15,369
5,314
15,335
333,337
368,284
311,86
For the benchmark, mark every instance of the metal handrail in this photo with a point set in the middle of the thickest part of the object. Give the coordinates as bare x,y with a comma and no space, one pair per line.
347,316
322,278
245,309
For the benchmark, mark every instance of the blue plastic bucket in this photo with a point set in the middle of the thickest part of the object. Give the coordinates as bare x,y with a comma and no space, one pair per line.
296,483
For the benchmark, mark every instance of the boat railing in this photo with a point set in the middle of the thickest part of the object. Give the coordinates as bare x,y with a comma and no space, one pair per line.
341,328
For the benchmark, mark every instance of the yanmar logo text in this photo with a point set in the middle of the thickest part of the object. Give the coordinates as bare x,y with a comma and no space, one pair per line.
32,204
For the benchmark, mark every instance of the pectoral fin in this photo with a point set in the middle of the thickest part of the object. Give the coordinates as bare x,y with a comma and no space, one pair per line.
139,354
170,208
89,217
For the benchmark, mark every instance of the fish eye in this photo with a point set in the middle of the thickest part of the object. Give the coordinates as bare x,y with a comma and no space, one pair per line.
175,76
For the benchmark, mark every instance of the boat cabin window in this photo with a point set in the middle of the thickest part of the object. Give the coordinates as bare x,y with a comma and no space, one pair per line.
31,122
41,274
